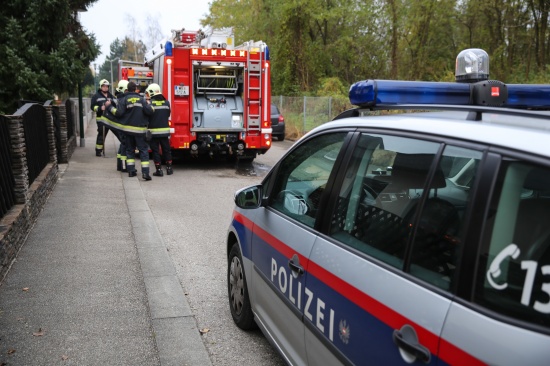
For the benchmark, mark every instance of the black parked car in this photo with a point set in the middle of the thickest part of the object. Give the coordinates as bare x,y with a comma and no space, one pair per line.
277,123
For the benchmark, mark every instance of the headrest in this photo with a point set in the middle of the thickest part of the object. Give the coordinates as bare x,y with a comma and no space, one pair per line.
409,171
537,179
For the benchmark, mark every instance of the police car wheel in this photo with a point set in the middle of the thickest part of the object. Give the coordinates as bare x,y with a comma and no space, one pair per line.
239,302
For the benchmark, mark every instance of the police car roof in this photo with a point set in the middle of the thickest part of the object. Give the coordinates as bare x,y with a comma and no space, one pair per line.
514,132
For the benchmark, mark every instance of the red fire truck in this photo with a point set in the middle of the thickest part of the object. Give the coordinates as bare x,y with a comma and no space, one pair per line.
220,94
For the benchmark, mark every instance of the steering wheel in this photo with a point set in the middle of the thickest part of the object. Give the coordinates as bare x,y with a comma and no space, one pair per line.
371,196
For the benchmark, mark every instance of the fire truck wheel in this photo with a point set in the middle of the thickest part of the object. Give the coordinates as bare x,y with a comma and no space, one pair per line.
239,303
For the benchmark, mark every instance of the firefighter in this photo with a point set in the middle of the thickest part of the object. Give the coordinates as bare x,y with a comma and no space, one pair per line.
98,106
121,88
160,130
133,111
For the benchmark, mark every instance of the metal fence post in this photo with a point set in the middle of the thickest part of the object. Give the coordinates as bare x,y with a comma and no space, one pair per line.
305,101
81,116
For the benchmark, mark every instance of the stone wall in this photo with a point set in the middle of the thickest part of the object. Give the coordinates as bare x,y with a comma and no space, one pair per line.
30,199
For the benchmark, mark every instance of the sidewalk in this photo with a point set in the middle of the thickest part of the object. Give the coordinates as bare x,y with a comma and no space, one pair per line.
93,284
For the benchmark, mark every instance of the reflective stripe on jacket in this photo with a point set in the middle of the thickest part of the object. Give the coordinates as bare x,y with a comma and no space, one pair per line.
158,122
132,112
98,100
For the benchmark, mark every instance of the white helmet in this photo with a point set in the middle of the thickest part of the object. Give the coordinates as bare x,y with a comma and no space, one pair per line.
153,89
103,82
122,86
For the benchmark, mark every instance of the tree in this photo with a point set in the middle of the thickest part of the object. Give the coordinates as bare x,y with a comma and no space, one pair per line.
43,50
153,31
351,40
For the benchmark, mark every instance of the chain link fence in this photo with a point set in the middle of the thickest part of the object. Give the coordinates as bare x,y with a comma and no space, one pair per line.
302,114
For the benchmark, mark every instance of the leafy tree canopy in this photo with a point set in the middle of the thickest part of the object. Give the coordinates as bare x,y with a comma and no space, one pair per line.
43,50
312,40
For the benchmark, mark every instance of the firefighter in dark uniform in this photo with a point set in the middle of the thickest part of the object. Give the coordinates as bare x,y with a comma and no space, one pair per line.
121,88
98,106
160,130
133,111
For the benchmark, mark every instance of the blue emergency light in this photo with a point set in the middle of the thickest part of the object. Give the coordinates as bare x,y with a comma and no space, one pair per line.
168,48
472,88
369,93
534,96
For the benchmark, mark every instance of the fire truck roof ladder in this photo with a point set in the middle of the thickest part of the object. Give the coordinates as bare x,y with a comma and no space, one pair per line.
254,84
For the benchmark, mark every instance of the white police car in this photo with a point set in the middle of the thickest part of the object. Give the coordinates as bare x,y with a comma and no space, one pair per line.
405,238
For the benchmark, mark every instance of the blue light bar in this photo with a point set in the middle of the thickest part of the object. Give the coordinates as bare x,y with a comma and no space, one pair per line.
369,93
535,96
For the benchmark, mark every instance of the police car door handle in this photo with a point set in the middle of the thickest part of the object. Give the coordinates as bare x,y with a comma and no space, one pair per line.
411,346
294,265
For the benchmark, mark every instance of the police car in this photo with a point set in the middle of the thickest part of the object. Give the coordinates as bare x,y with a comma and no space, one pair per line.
405,238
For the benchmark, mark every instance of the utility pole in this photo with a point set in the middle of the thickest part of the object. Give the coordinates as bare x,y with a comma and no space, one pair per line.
112,85
81,115
95,76
80,106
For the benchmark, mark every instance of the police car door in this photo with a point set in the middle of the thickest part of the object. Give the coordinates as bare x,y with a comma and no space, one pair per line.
510,321
283,237
364,307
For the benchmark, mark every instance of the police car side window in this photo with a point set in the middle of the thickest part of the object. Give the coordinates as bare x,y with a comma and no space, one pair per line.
438,231
379,195
514,272
302,177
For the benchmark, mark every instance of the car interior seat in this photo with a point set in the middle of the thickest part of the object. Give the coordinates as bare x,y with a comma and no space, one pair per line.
435,230
532,231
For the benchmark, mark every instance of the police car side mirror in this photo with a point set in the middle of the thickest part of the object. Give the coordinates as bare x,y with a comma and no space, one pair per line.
249,197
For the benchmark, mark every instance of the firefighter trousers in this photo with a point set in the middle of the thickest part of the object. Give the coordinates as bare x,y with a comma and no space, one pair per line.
102,131
160,146
121,154
138,142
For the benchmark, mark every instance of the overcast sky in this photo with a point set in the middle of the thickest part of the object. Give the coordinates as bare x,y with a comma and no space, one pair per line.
107,18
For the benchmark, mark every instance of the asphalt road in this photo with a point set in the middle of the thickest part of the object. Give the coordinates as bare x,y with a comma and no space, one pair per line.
192,209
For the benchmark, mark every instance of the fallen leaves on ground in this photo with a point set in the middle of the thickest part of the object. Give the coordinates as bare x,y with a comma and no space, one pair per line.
39,333
11,351
204,330
64,358
25,289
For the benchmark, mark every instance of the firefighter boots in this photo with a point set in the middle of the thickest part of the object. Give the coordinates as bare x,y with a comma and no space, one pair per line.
169,170
98,152
132,173
118,165
159,172
146,176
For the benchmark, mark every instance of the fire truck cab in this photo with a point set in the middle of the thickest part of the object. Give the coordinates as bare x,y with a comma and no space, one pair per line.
136,72
220,94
